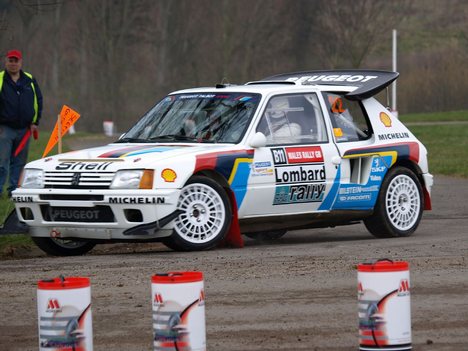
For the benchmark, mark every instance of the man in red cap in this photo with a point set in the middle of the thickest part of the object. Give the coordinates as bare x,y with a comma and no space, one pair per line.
20,112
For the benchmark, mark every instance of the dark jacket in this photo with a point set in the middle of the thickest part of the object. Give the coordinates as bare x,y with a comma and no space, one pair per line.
17,101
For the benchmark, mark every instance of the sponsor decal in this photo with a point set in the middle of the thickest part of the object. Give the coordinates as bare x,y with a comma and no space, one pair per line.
392,136
196,96
262,169
169,175
292,194
385,119
404,288
299,175
332,78
22,198
71,214
80,166
158,300
309,154
53,305
136,200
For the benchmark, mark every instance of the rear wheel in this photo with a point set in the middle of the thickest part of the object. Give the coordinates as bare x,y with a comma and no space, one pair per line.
399,205
63,247
205,218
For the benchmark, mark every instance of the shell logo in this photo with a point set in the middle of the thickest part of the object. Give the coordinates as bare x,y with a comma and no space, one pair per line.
385,119
169,175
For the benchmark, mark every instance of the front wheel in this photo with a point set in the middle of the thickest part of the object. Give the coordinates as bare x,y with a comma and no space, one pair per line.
62,247
399,205
205,218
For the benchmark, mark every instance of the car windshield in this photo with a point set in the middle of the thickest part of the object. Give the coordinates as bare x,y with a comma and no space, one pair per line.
198,117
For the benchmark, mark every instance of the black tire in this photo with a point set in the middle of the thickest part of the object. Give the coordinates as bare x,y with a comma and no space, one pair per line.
206,216
63,247
399,206
267,236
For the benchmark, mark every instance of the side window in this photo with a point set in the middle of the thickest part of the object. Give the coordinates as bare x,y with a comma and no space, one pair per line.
348,118
293,119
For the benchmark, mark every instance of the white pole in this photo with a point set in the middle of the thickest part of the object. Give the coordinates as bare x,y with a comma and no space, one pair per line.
394,68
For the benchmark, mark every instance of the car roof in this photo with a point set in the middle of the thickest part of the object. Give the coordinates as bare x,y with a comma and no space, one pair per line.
266,88
358,84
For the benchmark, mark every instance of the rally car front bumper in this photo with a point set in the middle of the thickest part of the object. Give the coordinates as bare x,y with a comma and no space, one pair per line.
93,214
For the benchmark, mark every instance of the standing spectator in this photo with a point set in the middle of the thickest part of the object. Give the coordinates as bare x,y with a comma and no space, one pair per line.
20,110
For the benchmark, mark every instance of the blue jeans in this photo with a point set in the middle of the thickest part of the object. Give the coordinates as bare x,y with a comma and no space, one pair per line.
10,138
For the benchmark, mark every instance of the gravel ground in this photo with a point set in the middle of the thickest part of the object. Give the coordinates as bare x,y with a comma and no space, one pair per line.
298,293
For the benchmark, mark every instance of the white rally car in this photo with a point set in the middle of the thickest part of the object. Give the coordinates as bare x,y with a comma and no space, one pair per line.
292,151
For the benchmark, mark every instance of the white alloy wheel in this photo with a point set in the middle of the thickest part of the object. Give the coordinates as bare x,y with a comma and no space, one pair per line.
204,214
402,202
399,205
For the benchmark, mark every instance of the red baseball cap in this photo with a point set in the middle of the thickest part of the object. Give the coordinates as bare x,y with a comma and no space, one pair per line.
14,53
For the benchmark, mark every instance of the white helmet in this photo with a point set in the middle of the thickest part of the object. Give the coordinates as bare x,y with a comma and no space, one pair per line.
278,106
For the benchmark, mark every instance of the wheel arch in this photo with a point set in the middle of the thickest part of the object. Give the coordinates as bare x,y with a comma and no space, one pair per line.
217,177
414,167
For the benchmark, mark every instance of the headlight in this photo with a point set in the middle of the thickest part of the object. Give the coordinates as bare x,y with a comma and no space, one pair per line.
133,179
32,178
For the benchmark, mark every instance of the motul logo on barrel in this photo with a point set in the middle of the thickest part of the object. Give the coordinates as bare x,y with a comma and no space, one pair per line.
158,300
53,305
404,288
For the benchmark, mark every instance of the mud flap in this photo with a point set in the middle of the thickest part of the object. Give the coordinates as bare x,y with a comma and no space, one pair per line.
234,236
13,225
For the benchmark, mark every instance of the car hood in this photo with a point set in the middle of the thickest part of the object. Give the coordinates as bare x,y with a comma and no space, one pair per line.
129,155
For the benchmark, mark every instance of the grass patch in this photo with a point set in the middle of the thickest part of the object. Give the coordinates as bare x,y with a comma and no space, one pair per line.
452,116
447,147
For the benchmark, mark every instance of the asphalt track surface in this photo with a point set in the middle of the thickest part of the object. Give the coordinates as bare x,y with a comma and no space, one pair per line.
298,293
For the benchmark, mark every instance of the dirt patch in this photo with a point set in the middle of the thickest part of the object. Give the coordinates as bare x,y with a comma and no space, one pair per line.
298,293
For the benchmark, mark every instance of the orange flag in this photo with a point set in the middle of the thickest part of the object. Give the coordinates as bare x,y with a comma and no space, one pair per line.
68,117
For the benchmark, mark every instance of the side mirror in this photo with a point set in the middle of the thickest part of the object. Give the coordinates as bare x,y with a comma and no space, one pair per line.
258,140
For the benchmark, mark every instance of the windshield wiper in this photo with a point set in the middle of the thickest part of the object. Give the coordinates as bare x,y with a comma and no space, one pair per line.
132,140
179,137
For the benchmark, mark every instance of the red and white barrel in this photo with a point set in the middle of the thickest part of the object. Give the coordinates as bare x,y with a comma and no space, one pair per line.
64,314
384,306
178,311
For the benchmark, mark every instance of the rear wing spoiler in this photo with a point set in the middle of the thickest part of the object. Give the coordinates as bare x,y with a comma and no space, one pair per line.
368,82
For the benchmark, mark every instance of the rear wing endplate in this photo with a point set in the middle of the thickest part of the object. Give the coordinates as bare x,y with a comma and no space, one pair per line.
368,82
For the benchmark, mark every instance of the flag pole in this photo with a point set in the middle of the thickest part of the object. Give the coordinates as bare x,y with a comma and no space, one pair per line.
59,129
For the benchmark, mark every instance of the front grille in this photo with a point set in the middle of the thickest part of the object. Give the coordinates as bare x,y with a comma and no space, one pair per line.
78,180
97,214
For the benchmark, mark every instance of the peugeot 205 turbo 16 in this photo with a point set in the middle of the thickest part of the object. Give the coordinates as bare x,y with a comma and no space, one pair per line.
292,151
